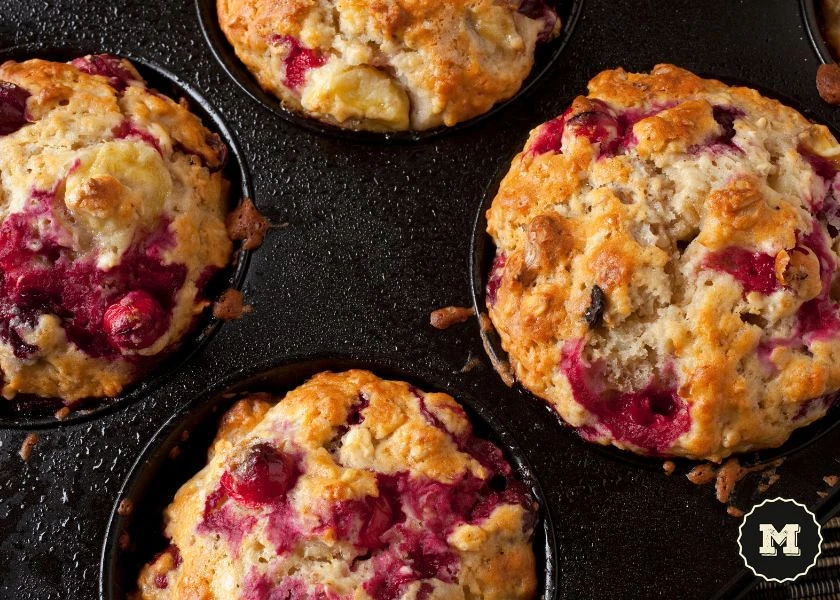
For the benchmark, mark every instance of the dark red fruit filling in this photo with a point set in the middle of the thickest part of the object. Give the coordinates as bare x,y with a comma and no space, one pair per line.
106,65
259,587
550,138
219,517
264,476
12,107
539,9
824,167
494,281
818,317
612,132
725,117
364,522
134,322
299,61
755,271
40,275
651,418
127,129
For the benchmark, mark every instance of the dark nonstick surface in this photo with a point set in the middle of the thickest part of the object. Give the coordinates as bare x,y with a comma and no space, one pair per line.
376,236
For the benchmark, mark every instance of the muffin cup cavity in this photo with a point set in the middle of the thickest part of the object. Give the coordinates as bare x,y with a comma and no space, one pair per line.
812,14
545,56
179,450
30,411
483,263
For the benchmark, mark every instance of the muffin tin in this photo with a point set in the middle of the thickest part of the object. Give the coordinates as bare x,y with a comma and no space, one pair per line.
369,238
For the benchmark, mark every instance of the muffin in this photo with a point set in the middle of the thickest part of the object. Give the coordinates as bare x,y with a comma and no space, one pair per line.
831,24
665,273
388,65
350,487
112,224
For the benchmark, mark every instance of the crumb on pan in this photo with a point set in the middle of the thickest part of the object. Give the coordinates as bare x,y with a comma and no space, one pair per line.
668,467
230,305
28,446
831,480
444,318
125,507
734,511
727,476
472,363
701,474
828,82
247,224
124,541
62,413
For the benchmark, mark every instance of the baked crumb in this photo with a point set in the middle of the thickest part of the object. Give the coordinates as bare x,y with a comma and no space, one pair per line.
472,363
246,223
727,476
125,507
124,541
444,318
701,474
822,494
175,452
502,367
831,480
768,479
28,445
668,466
734,511
230,305
62,413
828,83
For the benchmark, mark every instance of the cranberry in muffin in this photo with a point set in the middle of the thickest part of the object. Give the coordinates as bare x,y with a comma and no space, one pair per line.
112,206
349,487
388,65
666,265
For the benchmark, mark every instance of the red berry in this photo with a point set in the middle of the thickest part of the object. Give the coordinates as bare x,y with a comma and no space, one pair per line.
134,322
264,476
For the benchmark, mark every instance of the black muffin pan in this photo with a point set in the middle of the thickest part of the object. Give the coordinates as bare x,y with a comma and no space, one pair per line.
373,233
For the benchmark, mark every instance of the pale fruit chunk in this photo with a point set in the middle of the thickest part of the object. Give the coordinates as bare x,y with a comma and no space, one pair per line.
357,93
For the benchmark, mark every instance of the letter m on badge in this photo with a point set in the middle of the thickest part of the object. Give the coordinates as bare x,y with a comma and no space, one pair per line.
785,538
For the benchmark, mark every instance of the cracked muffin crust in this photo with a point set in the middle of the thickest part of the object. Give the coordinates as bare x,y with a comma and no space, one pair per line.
665,274
388,65
350,487
112,209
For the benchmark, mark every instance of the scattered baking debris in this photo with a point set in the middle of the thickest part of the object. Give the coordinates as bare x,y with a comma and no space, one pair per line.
472,363
729,474
734,511
701,474
831,480
125,507
246,223
668,466
446,317
28,445
828,83
124,541
502,367
175,452
822,494
62,413
768,479
230,305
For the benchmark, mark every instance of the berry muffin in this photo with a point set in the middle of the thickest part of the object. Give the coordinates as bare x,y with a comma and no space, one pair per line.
351,487
112,223
388,65
665,274
831,24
